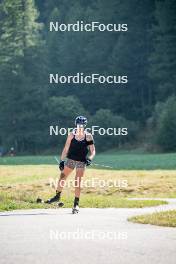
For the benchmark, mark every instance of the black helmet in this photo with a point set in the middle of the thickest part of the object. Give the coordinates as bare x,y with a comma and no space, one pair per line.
81,120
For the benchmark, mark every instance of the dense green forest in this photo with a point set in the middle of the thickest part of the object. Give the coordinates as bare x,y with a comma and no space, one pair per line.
146,53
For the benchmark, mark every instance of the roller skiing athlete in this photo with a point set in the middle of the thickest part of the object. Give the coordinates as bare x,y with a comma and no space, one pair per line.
78,152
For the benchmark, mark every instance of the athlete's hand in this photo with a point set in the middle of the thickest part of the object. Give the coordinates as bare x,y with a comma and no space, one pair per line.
61,165
88,162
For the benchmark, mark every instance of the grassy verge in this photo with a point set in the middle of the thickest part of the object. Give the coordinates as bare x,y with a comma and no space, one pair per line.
138,183
27,201
119,161
167,218
21,185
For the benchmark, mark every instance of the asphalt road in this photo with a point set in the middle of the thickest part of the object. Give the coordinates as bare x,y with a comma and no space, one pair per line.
92,236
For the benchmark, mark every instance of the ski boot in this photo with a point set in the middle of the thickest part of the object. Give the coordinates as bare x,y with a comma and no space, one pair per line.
54,199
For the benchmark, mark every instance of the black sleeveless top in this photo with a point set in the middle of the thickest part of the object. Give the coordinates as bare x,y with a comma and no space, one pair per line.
78,150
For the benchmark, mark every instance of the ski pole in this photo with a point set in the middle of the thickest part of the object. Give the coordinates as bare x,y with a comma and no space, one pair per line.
56,159
101,165
95,164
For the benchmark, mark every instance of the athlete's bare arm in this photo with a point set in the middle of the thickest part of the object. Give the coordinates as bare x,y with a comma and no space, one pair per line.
66,147
91,147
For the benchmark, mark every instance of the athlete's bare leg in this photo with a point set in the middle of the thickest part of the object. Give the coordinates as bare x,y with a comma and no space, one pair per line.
63,176
61,183
78,179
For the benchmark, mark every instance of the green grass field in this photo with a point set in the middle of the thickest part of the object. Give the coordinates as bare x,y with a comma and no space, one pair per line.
22,200
167,218
23,179
21,185
119,161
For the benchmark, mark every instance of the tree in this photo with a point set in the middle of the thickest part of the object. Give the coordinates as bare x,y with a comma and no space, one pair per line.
61,112
21,93
166,126
130,57
105,119
163,58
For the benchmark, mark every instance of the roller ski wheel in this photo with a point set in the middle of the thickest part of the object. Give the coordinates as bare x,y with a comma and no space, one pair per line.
75,210
60,204
39,200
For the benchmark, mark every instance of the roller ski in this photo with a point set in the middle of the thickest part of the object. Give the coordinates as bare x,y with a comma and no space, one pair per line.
54,199
39,200
75,209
